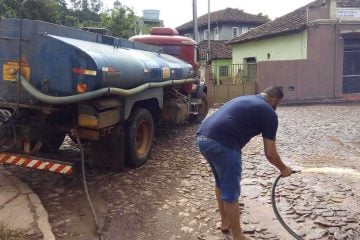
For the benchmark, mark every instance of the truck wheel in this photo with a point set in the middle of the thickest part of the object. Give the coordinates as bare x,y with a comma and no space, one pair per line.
203,110
139,137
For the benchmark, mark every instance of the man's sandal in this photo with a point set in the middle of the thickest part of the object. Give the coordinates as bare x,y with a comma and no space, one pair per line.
225,231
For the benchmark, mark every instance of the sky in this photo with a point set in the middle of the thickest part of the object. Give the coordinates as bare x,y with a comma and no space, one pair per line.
177,12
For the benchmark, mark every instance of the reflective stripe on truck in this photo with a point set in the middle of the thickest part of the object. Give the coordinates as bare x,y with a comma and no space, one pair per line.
61,168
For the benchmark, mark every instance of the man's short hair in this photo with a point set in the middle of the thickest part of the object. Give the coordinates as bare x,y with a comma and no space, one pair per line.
274,92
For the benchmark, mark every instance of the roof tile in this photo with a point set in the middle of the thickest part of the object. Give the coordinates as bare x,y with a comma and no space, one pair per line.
290,23
224,16
218,49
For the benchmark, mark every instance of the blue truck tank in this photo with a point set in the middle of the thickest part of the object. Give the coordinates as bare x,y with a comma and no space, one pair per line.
63,61
57,81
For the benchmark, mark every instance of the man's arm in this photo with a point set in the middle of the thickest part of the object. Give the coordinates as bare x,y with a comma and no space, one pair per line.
274,158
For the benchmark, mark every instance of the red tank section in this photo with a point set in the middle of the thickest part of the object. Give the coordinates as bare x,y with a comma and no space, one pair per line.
168,38
163,31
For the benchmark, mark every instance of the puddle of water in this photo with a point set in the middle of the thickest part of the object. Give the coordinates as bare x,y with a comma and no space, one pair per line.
348,172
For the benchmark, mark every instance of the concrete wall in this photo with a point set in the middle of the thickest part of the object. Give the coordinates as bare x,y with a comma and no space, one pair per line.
226,30
273,49
299,78
318,13
313,78
323,52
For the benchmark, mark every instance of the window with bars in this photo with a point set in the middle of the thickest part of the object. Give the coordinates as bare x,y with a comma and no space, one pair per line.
235,31
224,71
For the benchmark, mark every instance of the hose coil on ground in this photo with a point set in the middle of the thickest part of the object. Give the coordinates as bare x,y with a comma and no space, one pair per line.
278,216
7,130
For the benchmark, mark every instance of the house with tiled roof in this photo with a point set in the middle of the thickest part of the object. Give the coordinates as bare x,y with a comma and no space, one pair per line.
220,51
225,24
221,58
312,52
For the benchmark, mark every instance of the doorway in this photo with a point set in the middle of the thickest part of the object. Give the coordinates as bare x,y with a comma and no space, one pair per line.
351,68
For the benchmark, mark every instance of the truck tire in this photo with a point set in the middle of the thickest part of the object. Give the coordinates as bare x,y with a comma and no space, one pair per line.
203,110
139,137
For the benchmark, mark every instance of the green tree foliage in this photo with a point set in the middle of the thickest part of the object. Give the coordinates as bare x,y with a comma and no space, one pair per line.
120,21
84,13
87,5
46,10
95,6
117,4
8,9
84,18
76,4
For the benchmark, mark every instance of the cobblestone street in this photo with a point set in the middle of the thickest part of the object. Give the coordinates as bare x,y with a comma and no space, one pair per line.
171,197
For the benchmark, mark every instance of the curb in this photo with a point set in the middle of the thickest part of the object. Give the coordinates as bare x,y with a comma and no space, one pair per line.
24,200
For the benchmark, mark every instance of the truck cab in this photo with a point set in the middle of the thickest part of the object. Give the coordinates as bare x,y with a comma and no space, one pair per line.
172,43
184,48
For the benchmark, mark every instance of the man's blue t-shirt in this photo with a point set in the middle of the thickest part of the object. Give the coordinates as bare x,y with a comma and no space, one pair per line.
239,120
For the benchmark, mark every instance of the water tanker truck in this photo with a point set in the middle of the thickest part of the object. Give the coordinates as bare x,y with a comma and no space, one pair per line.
107,92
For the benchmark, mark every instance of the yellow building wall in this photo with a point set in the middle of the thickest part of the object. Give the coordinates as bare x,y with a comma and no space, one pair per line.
290,47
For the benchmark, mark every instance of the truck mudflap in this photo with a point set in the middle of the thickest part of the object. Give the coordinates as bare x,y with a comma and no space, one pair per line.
37,163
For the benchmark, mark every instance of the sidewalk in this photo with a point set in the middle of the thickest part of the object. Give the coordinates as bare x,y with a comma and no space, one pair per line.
20,207
346,99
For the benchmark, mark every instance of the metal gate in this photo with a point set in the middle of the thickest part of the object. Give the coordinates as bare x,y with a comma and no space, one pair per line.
225,82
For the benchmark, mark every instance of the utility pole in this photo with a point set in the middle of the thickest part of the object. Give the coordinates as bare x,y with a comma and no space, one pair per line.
195,23
209,35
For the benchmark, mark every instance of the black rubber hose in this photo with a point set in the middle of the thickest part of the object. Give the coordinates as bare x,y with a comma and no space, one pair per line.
273,203
7,131
87,194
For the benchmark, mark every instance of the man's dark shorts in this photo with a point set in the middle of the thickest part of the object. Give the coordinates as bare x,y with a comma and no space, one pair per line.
225,164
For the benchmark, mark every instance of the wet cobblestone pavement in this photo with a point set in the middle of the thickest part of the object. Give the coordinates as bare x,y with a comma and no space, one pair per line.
171,197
